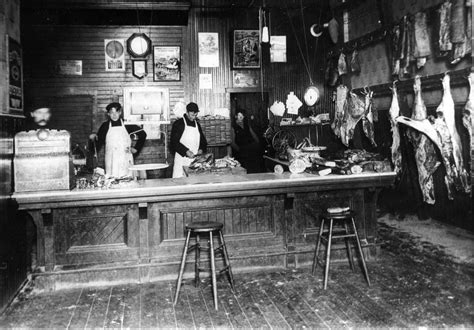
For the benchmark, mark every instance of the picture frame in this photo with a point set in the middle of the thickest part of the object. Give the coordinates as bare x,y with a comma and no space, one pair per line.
166,63
139,68
246,51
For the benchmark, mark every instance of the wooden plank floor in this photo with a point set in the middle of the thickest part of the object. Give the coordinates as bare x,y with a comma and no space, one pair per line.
413,284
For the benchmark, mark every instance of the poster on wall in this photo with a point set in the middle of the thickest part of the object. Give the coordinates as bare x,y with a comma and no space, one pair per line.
277,49
69,67
246,78
205,81
166,63
114,54
208,49
15,76
246,49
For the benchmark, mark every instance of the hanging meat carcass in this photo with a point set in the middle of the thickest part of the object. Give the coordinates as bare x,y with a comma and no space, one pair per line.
423,138
446,113
468,113
394,112
395,49
368,118
354,111
458,30
341,99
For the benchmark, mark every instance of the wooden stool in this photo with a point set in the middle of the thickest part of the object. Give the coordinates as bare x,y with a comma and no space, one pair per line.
209,228
343,218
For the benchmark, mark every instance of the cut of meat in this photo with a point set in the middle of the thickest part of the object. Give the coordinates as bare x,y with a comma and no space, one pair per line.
458,21
341,99
445,112
368,118
468,113
421,36
354,111
444,34
395,149
341,64
446,152
423,138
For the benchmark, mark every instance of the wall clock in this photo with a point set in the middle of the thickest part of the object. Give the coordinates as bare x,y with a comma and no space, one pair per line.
311,95
114,49
139,45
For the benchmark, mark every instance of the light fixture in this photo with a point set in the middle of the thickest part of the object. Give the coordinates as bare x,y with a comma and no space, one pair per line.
265,34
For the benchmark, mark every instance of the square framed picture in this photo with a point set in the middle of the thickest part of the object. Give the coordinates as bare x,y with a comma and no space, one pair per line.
246,53
166,63
139,69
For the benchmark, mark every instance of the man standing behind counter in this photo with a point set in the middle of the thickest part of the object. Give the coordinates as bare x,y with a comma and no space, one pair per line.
187,140
119,153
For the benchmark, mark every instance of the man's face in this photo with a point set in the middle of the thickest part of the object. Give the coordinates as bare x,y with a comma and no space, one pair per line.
114,114
239,117
192,115
41,116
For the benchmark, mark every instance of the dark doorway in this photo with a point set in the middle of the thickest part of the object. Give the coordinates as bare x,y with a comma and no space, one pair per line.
255,106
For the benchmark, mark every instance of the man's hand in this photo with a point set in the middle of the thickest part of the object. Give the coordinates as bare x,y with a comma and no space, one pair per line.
199,152
93,137
189,154
133,150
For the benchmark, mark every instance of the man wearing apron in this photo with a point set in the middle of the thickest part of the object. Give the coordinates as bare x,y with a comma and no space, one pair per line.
187,140
119,152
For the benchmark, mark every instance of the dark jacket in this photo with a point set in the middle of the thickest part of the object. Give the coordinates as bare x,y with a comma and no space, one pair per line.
177,131
104,129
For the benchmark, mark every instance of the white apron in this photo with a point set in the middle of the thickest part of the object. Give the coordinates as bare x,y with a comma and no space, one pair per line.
191,140
118,156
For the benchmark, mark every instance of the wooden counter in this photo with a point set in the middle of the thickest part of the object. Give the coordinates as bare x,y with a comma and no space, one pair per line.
135,232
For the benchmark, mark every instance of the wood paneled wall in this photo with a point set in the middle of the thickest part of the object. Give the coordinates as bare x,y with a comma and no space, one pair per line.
44,45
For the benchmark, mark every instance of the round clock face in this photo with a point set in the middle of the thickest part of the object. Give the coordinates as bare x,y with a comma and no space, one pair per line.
139,45
311,95
114,49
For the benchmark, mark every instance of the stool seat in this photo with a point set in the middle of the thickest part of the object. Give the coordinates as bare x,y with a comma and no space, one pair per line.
339,215
346,220
204,226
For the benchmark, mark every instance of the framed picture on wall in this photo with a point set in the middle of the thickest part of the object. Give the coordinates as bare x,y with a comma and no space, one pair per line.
114,54
139,69
246,52
166,63
14,76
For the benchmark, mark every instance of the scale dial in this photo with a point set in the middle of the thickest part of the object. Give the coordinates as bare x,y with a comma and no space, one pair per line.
311,95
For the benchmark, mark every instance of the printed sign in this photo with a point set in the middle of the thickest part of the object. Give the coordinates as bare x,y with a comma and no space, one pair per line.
15,76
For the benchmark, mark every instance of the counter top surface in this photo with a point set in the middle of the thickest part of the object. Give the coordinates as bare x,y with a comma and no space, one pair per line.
211,184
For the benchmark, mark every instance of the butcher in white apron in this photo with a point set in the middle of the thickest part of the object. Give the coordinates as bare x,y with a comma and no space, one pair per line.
187,140
115,135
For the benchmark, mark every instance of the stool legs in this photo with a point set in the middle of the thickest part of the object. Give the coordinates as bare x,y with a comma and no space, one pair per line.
227,261
328,255
318,245
197,263
366,273
213,270
181,268
348,248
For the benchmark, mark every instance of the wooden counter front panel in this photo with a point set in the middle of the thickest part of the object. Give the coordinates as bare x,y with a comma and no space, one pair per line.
96,234
248,221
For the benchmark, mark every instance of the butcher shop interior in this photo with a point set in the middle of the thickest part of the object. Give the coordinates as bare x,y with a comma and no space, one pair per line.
236,164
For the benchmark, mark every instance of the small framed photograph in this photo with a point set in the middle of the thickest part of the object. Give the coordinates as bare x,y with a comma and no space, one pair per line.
246,49
139,69
166,63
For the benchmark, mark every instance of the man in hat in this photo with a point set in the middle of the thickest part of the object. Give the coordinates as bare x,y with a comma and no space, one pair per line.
117,138
187,139
39,119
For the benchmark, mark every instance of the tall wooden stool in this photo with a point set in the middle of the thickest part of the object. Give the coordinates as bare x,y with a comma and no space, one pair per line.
197,229
345,220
